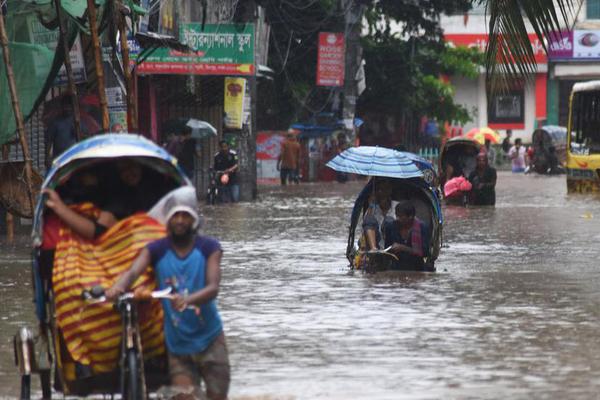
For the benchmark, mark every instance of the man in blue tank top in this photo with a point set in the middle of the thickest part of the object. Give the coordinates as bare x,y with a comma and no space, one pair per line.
190,264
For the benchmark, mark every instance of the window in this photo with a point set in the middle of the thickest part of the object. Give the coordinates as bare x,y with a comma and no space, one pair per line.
592,9
507,108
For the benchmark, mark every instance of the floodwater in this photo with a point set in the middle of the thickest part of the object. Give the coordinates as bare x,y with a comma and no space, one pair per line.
513,311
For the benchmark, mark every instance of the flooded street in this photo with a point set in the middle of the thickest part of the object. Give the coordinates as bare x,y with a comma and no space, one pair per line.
513,310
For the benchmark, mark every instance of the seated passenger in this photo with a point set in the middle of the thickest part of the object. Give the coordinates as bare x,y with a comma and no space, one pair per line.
483,180
123,200
381,207
407,236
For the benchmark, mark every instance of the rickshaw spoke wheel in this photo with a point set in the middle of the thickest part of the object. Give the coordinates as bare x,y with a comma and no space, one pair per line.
132,390
25,387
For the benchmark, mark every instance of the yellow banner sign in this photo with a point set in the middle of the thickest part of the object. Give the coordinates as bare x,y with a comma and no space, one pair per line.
235,90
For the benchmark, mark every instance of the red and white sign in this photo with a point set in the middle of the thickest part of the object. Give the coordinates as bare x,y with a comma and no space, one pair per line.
480,41
331,57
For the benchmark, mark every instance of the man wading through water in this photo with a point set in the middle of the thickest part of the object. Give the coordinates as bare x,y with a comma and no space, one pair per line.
190,264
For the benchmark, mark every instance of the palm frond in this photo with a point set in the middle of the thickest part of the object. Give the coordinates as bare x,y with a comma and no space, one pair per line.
510,56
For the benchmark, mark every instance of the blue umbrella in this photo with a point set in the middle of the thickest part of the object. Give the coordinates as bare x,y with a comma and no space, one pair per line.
375,161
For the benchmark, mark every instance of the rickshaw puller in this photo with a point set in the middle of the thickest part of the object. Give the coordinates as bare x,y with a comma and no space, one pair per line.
190,264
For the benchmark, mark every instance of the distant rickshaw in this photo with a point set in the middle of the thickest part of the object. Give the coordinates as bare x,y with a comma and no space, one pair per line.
549,149
414,179
458,158
96,348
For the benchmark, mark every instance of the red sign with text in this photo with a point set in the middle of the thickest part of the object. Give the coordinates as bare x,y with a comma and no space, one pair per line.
480,41
331,59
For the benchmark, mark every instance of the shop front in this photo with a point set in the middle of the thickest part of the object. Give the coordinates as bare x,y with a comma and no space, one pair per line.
574,56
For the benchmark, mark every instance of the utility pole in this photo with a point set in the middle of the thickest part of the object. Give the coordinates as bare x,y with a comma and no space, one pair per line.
354,13
91,10
247,142
132,115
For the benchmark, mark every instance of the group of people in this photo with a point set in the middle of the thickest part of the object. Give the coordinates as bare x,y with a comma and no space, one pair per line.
471,178
525,159
394,226
183,260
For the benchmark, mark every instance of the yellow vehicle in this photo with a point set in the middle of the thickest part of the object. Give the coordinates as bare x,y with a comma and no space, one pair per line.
583,140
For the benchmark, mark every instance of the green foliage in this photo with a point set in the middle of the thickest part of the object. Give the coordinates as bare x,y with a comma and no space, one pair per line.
510,54
404,76
402,70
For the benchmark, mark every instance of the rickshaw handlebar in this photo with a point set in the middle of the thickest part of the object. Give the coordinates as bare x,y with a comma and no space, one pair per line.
96,294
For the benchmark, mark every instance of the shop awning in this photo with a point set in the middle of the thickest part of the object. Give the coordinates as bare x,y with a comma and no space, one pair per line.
579,70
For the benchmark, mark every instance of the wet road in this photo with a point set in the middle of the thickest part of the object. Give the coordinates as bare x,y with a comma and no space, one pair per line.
512,312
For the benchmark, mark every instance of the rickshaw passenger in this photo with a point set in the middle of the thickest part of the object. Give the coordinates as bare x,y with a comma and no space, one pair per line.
407,235
127,198
381,208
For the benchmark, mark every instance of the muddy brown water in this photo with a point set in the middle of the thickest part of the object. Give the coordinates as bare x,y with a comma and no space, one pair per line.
513,311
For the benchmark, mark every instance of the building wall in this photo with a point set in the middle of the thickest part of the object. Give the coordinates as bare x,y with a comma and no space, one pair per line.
471,30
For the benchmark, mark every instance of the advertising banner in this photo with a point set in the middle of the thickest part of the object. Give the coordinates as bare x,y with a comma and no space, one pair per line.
49,38
235,92
331,59
577,44
268,149
219,49
586,44
560,45
480,41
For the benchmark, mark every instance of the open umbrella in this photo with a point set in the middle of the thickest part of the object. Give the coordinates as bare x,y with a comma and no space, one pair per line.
481,134
375,161
200,129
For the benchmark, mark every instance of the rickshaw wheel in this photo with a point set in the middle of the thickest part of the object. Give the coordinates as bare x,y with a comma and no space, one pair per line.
25,387
46,385
133,389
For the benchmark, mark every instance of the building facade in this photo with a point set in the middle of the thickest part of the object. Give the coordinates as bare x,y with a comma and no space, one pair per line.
521,109
573,56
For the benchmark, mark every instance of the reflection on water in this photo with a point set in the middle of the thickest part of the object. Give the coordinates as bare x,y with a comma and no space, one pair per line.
512,312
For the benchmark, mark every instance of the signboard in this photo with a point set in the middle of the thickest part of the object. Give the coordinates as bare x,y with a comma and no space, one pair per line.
268,149
117,109
235,92
331,59
577,44
42,36
560,45
219,49
480,41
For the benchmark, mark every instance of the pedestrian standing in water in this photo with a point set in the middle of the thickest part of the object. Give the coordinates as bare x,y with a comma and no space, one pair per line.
190,264
506,142
517,156
187,153
288,162
483,180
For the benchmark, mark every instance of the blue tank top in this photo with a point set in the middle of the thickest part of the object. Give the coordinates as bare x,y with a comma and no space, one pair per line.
186,332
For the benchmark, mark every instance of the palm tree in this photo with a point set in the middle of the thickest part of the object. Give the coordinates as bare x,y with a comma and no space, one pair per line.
510,54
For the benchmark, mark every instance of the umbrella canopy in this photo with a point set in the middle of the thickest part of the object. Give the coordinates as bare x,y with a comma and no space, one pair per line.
200,129
481,134
375,161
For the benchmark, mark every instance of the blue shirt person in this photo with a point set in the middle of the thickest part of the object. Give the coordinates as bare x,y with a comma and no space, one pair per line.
190,265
